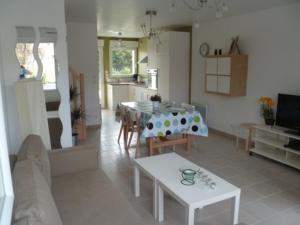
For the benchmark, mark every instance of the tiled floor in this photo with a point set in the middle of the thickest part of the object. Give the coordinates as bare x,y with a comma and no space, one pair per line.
270,191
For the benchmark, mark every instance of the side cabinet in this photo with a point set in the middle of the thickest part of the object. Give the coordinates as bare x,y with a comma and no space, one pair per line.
226,75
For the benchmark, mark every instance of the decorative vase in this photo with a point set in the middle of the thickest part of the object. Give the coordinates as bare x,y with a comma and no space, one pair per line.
155,105
269,121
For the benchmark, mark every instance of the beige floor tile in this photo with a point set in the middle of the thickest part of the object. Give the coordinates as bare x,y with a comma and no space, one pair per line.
258,210
270,191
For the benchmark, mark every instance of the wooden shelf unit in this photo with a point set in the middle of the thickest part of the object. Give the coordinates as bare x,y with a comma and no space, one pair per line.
270,141
226,75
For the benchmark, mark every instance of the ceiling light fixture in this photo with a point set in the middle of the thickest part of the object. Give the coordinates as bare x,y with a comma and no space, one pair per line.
120,43
152,33
220,6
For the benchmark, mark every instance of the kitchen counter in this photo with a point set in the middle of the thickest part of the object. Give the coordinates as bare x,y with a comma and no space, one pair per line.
142,85
127,92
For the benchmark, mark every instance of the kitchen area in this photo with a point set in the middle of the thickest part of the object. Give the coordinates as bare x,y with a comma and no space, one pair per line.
159,66
132,91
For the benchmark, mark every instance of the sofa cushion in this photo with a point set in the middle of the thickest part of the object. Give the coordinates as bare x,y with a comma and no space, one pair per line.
33,148
34,203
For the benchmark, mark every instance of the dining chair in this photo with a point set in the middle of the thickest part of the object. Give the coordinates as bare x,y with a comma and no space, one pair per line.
134,126
188,106
124,125
202,109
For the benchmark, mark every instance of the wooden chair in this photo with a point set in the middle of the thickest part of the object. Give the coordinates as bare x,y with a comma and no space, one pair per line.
134,126
124,126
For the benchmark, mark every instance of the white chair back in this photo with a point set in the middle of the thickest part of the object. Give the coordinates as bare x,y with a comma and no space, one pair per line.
188,106
202,109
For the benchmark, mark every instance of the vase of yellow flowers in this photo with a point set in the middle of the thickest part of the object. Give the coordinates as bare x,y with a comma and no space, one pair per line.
267,110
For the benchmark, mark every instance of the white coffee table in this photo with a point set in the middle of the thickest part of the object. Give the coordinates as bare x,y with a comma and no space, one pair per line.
164,170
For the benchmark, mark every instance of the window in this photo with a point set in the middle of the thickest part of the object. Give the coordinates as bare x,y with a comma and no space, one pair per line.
123,58
123,61
29,66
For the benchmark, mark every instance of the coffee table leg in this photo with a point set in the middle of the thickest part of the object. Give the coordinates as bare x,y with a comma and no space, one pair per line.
136,181
235,209
190,215
155,197
160,204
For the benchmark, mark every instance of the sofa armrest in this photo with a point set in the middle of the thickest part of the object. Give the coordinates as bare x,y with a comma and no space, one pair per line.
71,160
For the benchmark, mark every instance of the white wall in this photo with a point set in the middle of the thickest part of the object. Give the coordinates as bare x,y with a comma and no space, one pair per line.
83,57
33,13
271,38
6,189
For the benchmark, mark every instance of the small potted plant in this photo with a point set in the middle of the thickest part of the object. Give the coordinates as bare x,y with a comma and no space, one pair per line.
156,100
76,115
73,93
267,110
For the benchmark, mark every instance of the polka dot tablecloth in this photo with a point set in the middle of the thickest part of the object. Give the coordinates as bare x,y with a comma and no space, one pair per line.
167,123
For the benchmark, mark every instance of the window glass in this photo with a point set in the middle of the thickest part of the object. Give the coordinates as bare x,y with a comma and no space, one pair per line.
28,65
46,52
123,61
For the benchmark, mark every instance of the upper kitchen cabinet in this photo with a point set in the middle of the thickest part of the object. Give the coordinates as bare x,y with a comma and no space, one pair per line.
173,61
226,75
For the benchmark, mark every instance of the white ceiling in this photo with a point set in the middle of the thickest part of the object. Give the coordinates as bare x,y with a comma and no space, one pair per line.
127,15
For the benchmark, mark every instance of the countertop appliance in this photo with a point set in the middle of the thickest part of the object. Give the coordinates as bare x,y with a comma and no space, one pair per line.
153,78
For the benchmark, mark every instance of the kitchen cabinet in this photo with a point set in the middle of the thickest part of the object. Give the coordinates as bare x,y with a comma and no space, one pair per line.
116,93
226,75
173,60
152,53
132,93
138,94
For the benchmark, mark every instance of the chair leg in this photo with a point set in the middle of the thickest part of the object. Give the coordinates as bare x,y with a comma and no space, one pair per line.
130,138
126,128
121,129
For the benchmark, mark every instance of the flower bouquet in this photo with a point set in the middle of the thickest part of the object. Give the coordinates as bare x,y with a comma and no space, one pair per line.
267,110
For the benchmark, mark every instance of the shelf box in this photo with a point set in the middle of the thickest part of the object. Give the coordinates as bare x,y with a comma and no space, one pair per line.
226,75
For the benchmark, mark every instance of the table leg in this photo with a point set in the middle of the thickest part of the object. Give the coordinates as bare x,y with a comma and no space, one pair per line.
160,204
235,209
189,142
155,198
151,146
136,181
190,216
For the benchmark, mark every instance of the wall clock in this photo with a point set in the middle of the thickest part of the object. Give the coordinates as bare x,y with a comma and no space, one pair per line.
204,49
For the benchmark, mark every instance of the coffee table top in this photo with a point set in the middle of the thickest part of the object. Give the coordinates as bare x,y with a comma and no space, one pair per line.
165,169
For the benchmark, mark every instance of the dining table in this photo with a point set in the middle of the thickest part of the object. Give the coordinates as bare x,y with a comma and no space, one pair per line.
169,124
